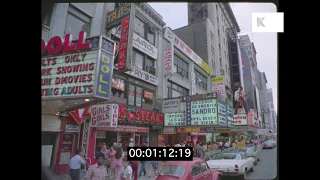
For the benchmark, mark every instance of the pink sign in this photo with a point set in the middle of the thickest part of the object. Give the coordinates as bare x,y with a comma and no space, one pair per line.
125,129
252,120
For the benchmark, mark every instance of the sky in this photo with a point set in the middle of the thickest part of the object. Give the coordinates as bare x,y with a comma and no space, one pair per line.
175,15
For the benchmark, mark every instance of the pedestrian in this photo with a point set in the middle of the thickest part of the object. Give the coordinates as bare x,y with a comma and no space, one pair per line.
154,167
106,152
200,150
118,157
234,145
134,165
112,161
75,165
97,171
126,171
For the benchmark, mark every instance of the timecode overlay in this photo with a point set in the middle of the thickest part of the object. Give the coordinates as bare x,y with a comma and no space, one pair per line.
159,154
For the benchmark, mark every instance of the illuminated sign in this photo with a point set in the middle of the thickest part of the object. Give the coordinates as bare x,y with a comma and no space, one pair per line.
104,75
204,112
114,17
122,57
222,116
240,119
104,115
174,119
168,60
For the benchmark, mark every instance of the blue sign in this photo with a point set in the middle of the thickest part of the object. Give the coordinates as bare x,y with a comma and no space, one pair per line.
229,113
244,62
104,77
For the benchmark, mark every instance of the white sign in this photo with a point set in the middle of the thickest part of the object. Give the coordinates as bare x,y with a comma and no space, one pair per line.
177,42
240,119
219,88
170,105
193,84
174,119
168,61
140,74
69,75
204,112
144,46
222,115
104,115
267,22
72,128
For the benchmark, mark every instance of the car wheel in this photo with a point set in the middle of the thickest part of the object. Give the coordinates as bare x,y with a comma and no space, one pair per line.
258,159
251,170
244,175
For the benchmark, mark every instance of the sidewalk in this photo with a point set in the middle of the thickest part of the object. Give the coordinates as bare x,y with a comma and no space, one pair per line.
50,176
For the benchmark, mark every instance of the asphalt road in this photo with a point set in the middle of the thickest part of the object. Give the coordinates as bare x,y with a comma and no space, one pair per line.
266,167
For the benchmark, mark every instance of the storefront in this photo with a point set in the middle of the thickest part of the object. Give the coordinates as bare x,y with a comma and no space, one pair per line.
132,130
69,82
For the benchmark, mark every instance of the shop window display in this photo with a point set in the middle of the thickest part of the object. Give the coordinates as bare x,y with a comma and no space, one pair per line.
118,91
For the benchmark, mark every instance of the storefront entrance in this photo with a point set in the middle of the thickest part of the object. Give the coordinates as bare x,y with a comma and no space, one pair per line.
140,139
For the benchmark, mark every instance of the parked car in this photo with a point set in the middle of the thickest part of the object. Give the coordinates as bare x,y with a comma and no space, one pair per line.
232,164
269,144
251,152
197,169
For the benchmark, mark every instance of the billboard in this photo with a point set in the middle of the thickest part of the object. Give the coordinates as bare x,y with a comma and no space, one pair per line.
240,119
218,85
222,114
204,112
114,17
244,62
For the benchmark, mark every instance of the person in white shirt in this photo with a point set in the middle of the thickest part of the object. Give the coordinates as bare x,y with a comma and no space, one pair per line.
75,165
126,171
177,144
226,144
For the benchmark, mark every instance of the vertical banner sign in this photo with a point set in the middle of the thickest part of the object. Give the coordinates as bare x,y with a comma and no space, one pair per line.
131,95
123,44
138,96
188,111
193,84
85,136
104,115
168,59
222,116
104,75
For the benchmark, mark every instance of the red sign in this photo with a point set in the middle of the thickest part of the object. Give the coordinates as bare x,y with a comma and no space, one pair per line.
57,45
159,118
123,44
125,129
122,113
140,115
80,115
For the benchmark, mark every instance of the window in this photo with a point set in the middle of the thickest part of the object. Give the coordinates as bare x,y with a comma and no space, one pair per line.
140,27
76,22
225,55
211,36
224,41
220,62
219,49
204,167
222,28
47,15
181,67
195,171
218,21
217,8
201,80
219,35
144,30
226,69
118,91
143,62
174,90
140,97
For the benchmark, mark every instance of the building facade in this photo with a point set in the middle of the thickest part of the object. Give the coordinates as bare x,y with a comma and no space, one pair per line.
220,27
62,134
272,115
263,100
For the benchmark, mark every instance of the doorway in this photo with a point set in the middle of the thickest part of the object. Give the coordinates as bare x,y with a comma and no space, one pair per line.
140,139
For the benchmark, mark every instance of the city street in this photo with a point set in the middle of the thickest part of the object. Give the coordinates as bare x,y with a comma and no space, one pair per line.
266,167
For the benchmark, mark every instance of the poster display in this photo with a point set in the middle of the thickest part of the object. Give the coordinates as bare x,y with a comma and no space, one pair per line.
204,112
138,96
131,95
104,115
222,115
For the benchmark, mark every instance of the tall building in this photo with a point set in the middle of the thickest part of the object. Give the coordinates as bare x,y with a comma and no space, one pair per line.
272,116
263,100
250,80
211,29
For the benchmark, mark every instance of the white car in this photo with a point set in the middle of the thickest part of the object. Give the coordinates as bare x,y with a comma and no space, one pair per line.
269,144
232,164
251,152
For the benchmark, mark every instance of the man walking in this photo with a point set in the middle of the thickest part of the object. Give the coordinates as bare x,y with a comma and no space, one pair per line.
75,165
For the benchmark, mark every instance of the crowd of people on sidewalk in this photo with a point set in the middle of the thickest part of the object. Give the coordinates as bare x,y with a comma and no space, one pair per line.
109,159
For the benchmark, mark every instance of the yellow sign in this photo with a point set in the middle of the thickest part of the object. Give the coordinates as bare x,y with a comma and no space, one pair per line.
205,67
188,129
217,79
241,144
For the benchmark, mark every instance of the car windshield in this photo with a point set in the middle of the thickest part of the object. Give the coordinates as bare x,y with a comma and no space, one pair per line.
242,150
225,156
172,170
268,142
